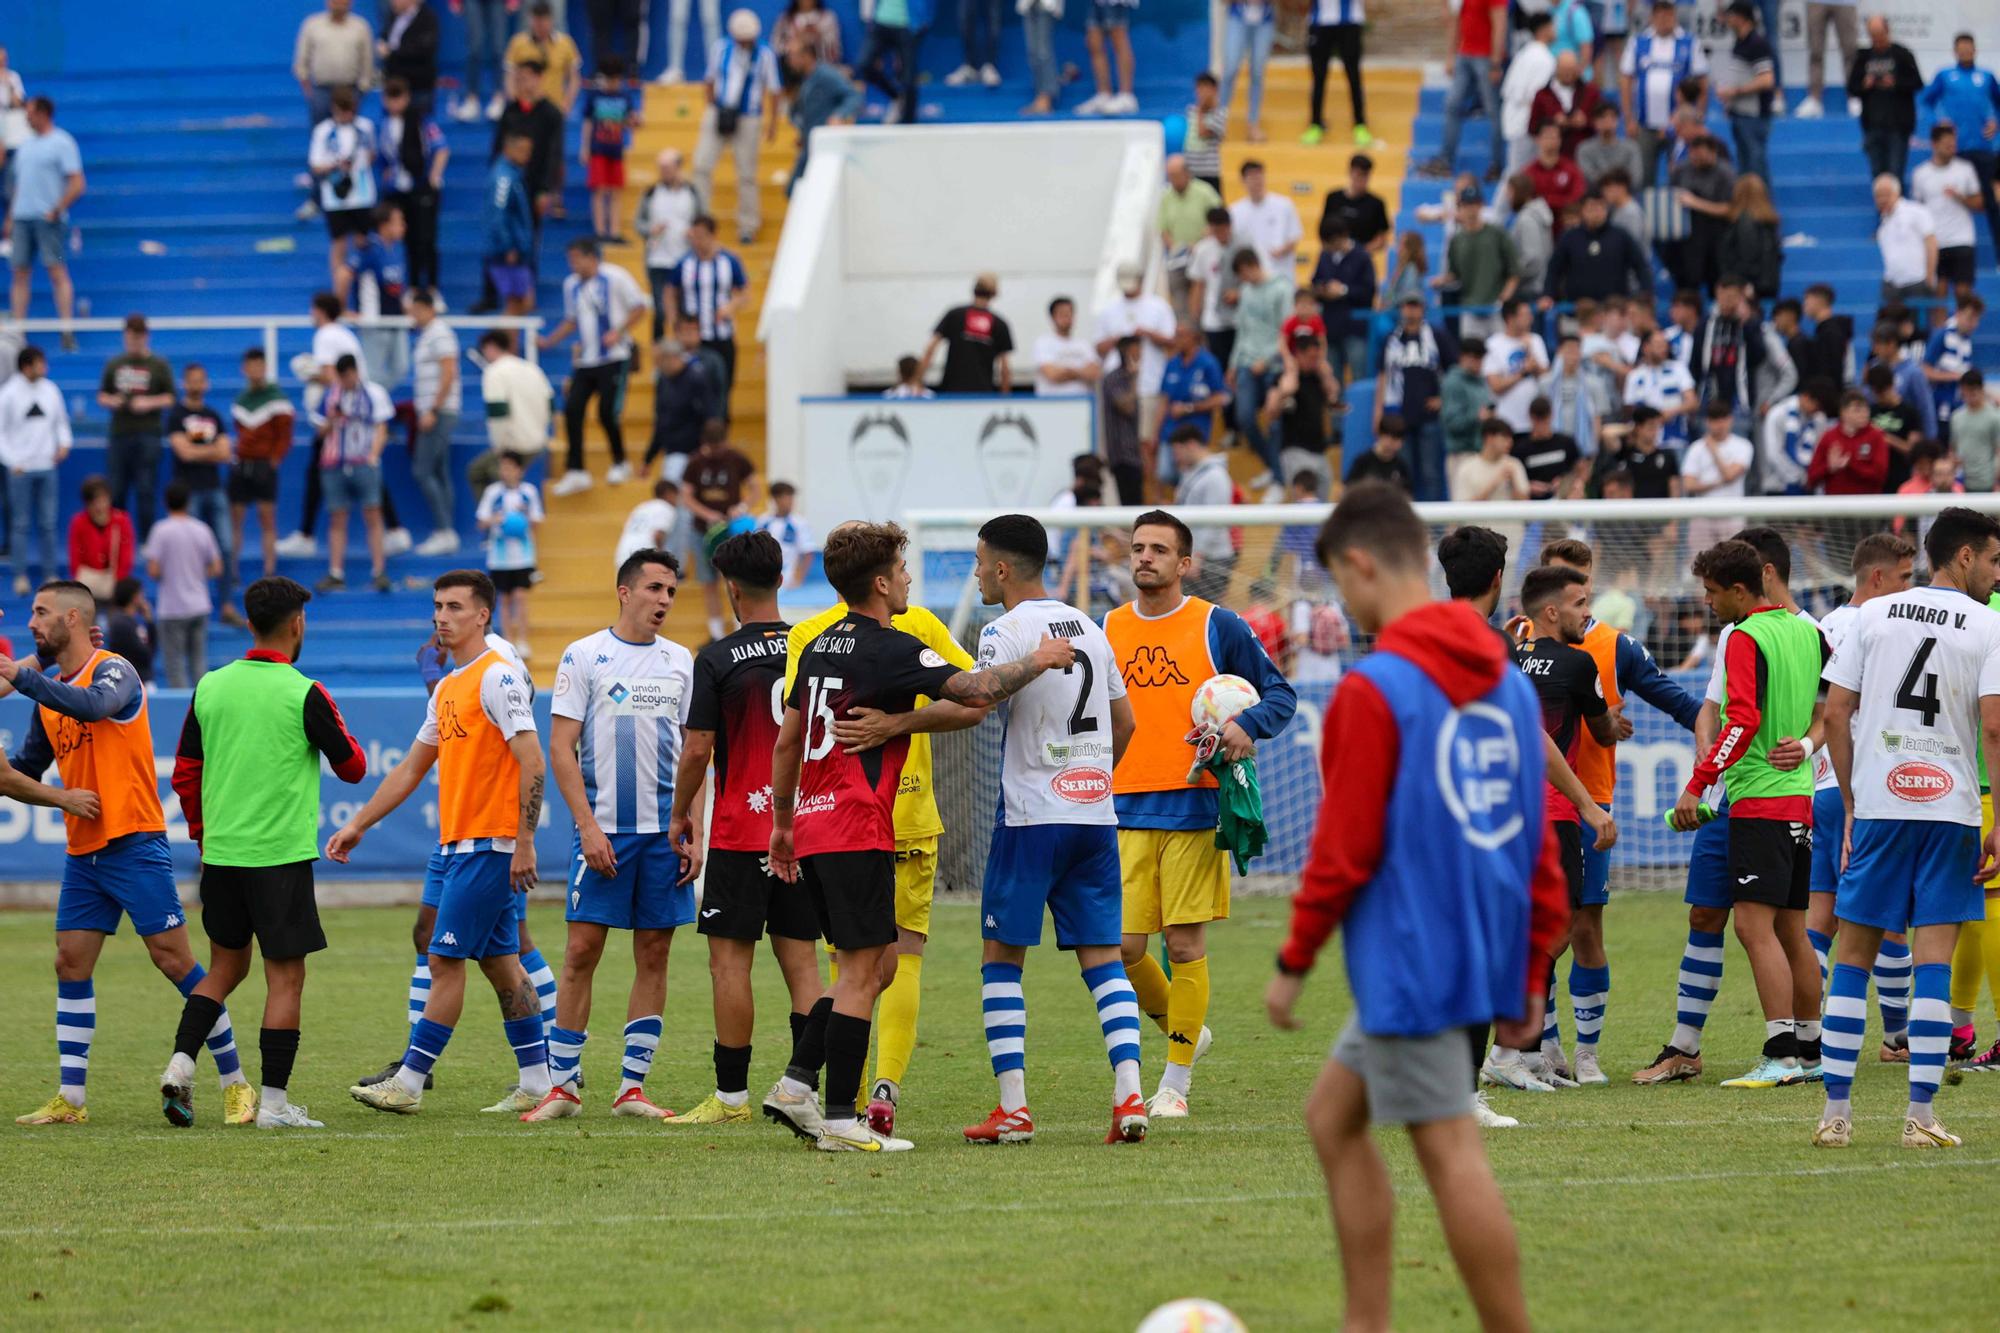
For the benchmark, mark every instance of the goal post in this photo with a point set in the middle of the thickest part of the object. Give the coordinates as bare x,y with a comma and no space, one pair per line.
1641,583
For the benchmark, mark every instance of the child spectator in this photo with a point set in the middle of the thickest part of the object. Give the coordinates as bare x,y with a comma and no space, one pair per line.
1207,122
909,380
1852,458
373,283
200,445
720,484
1305,315
654,524
794,535
610,114
34,440
507,230
1409,278
181,557
509,512
101,544
128,625
264,420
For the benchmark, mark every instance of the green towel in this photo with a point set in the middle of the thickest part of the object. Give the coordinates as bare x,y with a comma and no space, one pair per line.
1240,828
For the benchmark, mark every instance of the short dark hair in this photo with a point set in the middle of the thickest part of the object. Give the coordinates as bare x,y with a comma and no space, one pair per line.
1160,518
327,304
1305,479
1249,165
1972,379
30,355
1820,289
1187,433
1375,517
123,593
629,567
177,496
270,602
396,86
1941,129
1207,78
473,581
1544,583
1954,529
1218,217
1717,410
702,220
93,487
346,363
1361,162
1882,548
1853,398
855,556
1823,391
611,65
1495,426
1771,548
1729,279
500,338
514,456
344,98
1020,537
1570,551
1731,564
1061,300
1509,306
1473,346
752,559
907,367
781,489
252,354
583,245
1788,305
1540,408
1393,425
1471,557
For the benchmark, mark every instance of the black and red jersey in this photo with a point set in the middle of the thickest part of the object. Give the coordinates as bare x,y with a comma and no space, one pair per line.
846,801
1567,680
739,687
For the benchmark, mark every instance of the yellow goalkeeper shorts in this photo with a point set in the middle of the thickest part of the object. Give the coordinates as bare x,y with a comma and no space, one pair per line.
1173,877
916,882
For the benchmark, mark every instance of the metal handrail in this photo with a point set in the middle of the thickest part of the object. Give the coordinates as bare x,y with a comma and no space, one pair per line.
270,324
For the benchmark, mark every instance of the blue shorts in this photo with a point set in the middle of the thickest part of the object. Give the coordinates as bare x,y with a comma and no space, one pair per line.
352,486
39,238
1905,873
478,915
1073,868
131,876
1111,14
641,895
1829,831
1708,866
434,885
1596,872
512,282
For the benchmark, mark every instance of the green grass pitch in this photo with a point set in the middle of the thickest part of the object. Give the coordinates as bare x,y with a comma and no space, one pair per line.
1677,1208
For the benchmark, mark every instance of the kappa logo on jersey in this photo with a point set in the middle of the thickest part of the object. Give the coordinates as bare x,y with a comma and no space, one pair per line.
1150,667
1915,780
1085,786
448,723
1478,765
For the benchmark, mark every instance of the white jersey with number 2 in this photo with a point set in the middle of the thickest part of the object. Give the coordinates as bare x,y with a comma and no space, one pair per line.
1920,660
1056,765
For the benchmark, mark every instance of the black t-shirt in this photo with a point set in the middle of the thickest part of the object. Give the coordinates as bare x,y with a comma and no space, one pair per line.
1371,466
845,801
1566,680
973,340
1366,217
202,425
1902,422
1651,473
1546,461
738,695
132,639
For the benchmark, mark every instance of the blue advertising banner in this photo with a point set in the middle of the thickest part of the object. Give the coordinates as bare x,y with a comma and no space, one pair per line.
385,721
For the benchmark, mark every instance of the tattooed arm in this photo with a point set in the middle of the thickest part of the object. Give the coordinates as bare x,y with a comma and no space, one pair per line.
527,750
989,685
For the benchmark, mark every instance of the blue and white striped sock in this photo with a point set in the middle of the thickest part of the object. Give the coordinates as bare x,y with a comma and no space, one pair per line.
1822,946
76,1028
1892,987
1118,1019
531,1052
565,1056
221,1038
642,1041
1841,1031
1551,1028
1589,993
1930,1035
420,990
544,982
427,1043
1701,978
1006,1013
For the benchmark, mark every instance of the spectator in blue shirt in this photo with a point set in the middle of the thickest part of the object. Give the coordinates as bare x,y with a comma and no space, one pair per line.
507,228
373,282
1344,282
1969,98
824,96
1192,383
48,178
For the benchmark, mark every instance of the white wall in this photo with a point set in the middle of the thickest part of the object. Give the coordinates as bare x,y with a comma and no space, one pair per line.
889,225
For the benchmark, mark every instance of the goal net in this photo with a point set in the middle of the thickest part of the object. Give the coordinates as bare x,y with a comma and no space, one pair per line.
1271,578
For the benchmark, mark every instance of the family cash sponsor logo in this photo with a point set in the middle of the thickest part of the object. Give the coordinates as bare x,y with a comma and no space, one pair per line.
1915,780
1084,786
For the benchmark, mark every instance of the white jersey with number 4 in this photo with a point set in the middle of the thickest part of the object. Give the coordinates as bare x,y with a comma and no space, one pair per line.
1920,660
1055,767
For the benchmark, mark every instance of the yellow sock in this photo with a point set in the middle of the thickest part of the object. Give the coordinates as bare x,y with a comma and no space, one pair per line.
1990,939
1969,964
896,1019
1187,1010
1149,981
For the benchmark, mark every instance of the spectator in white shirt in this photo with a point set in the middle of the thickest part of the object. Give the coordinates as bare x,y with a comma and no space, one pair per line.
793,534
1212,284
1947,187
34,440
1515,358
1716,467
742,99
603,306
341,158
665,213
1139,313
655,524
1663,384
1065,365
520,405
1268,221
1907,236
1528,72
909,380
437,399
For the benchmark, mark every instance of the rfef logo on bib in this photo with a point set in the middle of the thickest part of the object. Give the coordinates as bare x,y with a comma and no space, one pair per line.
1917,781
1085,786
1478,766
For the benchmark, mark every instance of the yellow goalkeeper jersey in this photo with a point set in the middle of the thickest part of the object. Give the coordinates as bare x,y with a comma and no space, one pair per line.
916,814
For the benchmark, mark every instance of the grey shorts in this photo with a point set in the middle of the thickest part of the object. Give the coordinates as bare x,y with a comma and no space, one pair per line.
1411,1080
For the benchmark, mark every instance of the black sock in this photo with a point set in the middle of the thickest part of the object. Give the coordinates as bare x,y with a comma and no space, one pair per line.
279,1047
846,1053
1477,1037
198,1017
798,1027
809,1051
1782,1046
1809,1050
732,1068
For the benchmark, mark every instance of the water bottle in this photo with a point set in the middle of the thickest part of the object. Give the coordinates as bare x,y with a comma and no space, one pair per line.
1702,813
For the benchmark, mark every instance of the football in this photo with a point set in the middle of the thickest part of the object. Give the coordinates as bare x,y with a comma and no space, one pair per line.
1221,698
1192,1315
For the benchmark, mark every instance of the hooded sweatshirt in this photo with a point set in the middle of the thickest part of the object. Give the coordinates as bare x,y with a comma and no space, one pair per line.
1441,931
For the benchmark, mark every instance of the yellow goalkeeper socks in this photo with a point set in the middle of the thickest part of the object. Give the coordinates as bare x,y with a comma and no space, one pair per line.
1187,1010
1970,962
896,1019
1149,982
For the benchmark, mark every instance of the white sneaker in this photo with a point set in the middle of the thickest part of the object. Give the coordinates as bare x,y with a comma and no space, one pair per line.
571,483
961,76
799,1114
989,76
1585,1070
669,77
1553,1061
1486,1117
1507,1069
290,1116
1124,104
1539,1065
396,541
494,106
1167,1105
619,474
442,542
1097,105
858,1138
467,109
1810,109
1854,108
306,211
298,544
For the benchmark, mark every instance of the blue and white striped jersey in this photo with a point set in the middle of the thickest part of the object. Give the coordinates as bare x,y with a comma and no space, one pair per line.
632,701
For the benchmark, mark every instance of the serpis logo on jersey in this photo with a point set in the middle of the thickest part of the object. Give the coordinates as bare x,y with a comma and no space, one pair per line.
1083,786
1918,781
1478,765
